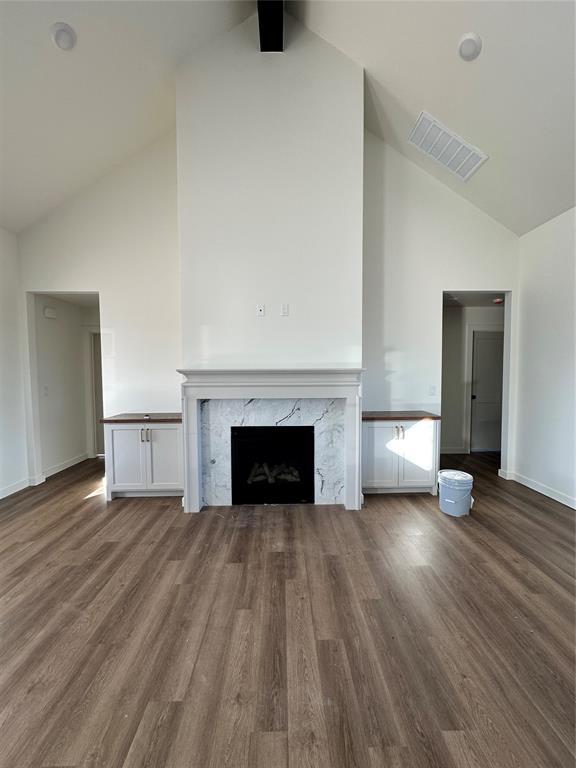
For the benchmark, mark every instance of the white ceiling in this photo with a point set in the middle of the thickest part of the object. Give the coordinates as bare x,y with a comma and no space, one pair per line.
69,118
515,102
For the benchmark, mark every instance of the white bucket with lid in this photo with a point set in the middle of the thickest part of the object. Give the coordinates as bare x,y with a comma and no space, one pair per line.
455,490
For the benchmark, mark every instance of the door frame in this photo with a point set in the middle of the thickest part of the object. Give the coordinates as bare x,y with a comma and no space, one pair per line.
92,446
31,391
507,384
31,385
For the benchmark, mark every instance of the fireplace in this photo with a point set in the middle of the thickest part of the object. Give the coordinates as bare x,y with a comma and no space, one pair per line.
272,465
216,400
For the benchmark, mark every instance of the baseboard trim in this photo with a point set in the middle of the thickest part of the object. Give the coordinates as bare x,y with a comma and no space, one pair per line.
545,490
398,490
146,494
65,465
462,449
8,490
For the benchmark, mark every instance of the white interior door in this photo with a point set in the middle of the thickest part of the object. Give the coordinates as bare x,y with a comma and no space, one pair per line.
380,448
487,361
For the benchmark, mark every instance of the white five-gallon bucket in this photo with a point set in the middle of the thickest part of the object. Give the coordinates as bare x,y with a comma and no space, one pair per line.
455,492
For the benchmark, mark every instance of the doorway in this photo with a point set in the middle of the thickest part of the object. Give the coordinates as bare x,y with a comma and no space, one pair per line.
65,380
475,373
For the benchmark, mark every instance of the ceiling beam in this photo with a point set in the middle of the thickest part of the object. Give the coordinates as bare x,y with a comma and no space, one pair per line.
271,25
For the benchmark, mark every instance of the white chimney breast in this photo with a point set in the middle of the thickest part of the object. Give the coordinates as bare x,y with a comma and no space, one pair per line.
270,175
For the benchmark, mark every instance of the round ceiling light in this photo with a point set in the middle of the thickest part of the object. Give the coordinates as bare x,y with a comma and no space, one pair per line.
63,36
470,46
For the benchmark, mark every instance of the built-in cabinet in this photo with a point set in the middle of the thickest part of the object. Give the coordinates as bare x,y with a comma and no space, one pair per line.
144,453
143,458
399,455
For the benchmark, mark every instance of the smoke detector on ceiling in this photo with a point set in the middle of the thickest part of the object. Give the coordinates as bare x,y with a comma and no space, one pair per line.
470,46
63,36
446,147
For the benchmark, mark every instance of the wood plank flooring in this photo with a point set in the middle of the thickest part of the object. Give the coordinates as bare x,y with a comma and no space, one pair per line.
134,636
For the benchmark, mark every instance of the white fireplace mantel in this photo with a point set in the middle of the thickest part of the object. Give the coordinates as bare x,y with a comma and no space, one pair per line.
217,383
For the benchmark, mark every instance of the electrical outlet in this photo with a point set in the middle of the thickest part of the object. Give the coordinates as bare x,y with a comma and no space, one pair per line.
284,310
260,310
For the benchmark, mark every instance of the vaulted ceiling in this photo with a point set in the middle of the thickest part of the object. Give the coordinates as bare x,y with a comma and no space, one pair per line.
515,102
68,118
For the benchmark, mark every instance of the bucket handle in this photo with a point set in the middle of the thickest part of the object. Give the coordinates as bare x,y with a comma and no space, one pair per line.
456,501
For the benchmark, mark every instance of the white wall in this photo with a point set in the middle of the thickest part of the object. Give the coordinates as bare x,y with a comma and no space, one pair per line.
456,380
119,237
13,459
270,202
61,372
545,457
420,239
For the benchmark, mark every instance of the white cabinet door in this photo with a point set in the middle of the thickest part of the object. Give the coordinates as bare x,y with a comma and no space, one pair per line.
417,461
164,443
127,453
379,455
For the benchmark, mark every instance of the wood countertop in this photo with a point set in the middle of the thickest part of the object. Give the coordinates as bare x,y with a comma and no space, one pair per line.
143,418
398,416
176,418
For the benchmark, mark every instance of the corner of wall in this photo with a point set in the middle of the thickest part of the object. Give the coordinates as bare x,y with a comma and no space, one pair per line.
13,459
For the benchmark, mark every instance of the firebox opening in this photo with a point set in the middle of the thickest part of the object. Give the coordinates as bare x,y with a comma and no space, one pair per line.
272,465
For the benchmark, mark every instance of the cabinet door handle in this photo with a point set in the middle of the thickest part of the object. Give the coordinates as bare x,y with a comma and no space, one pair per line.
147,435
395,433
141,435
402,428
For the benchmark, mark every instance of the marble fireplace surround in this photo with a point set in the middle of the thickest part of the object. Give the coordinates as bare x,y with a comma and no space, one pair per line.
204,384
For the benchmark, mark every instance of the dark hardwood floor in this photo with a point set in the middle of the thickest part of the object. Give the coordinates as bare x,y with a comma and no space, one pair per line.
134,636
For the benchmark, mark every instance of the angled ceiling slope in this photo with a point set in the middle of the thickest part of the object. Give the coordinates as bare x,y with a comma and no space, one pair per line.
515,102
68,118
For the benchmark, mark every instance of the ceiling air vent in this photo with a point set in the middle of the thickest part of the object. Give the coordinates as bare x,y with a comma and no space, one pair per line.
446,147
